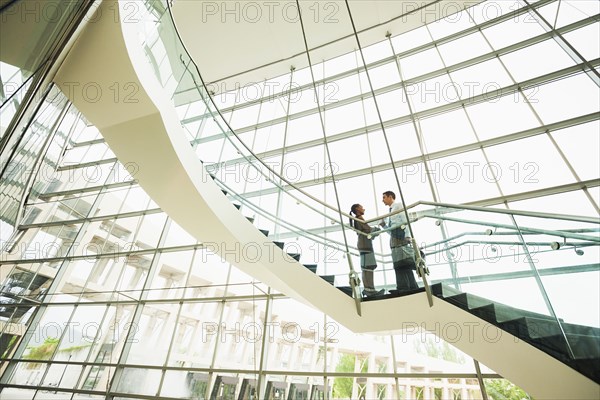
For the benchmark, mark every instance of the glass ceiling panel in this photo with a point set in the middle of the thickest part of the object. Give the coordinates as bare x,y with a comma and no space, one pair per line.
411,39
420,63
382,76
350,154
267,138
454,177
413,180
273,108
565,203
376,52
489,10
403,143
536,60
302,77
447,130
343,88
301,100
340,64
308,162
344,118
451,24
432,93
566,98
524,170
244,116
464,48
576,10
303,129
586,41
392,104
486,77
501,116
581,145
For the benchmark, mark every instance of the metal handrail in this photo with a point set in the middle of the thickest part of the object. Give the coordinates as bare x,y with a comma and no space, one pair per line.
455,207
500,243
426,214
423,214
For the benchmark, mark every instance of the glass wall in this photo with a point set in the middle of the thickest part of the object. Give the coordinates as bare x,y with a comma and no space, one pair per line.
104,295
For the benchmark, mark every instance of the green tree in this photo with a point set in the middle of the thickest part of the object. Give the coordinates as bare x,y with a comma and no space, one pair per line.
501,389
342,387
42,352
439,349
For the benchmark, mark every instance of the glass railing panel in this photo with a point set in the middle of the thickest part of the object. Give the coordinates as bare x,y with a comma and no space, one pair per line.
566,257
439,252
535,270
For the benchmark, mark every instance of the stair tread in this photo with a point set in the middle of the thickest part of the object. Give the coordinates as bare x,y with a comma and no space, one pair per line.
345,289
312,267
589,367
544,327
582,346
467,300
503,313
539,330
445,291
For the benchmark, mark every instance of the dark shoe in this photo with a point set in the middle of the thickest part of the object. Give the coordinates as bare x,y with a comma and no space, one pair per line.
373,292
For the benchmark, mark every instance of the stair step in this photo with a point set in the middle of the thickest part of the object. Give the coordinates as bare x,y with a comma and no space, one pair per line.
312,267
251,219
536,327
238,206
279,244
444,291
346,289
264,232
548,337
539,330
531,328
328,278
225,192
497,313
471,302
589,367
467,301
295,256
583,346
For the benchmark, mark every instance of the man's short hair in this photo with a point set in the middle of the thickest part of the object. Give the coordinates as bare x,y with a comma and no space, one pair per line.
390,194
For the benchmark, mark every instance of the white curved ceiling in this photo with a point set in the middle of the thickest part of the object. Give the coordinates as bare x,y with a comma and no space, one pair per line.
246,42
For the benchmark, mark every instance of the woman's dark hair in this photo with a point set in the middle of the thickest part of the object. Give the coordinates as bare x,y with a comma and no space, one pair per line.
353,211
